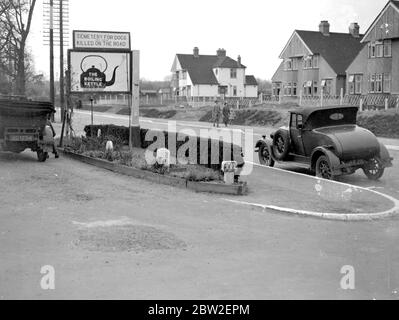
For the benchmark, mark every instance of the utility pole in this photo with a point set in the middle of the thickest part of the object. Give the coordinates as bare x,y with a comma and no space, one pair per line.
62,97
52,95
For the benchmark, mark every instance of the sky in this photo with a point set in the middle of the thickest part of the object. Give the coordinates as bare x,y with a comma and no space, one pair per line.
257,30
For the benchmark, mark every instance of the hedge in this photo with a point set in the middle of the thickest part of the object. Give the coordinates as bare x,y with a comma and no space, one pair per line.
381,123
203,150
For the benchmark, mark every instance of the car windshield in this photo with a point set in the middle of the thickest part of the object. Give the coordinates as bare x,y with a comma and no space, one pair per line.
332,117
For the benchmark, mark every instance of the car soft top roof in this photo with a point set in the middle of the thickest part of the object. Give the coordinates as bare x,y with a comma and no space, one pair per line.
307,111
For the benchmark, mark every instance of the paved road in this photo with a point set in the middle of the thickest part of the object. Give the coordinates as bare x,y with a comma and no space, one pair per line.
389,184
110,236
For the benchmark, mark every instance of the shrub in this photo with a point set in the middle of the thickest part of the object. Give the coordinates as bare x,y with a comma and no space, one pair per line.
227,151
199,174
381,123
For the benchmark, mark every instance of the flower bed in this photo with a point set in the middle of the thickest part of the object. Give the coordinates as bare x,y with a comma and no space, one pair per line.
93,147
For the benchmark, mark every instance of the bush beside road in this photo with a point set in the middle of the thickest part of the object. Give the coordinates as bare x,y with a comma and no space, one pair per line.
382,123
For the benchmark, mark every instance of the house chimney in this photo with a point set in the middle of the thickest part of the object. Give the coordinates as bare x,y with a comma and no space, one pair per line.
221,52
324,28
354,30
239,61
196,52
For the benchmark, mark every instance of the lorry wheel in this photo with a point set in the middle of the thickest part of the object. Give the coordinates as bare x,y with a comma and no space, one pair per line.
42,156
265,158
374,169
281,144
323,168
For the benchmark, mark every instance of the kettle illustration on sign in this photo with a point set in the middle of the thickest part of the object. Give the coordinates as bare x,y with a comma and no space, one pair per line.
93,77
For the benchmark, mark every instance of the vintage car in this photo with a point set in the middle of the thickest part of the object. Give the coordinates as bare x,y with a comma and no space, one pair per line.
328,142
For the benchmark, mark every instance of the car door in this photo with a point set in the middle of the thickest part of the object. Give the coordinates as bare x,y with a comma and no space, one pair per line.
296,126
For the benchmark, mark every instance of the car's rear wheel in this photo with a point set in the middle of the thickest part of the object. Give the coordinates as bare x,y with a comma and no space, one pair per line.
324,169
281,144
265,158
374,169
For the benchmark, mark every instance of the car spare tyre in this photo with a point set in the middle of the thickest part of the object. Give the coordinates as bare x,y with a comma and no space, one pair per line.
281,144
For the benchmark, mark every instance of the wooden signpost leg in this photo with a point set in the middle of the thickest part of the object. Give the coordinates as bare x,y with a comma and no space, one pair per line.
134,138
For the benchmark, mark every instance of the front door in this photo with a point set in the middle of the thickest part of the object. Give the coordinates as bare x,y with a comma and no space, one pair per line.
296,125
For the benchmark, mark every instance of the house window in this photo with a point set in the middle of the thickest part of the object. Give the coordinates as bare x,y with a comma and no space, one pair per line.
358,83
315,62
372,50
276,88
378,83
288,64
308,88
326,86
233,73
351,83
379,48
387,83
294,64
307,62
315,88
372,83
388,48
294,89
234,91
216,71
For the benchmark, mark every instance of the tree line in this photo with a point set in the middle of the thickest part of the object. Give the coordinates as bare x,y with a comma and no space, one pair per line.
16,63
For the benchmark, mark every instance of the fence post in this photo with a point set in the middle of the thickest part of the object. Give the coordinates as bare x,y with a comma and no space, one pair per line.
261,97
386,104
397,103
161,99
321,98
238,104
361,104
341,102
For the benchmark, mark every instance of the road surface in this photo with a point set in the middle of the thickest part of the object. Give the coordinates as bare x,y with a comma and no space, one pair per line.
113,237
389,184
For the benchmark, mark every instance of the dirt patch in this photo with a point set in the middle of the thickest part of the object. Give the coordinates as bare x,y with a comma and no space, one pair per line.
128,238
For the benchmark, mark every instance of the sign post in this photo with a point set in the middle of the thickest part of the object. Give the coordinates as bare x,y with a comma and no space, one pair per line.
134,137
101,62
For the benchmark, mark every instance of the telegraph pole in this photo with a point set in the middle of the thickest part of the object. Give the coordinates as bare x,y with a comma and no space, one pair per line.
62,96
52,95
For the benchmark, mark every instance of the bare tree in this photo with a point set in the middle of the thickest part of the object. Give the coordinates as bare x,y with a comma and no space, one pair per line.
15,23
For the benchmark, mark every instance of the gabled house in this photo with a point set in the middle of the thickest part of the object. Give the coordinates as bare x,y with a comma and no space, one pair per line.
316,61
209,76
375,70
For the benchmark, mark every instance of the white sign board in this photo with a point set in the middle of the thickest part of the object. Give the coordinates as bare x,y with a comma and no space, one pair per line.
100,72
101,40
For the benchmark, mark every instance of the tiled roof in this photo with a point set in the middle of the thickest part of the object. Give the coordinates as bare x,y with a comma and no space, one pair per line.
338,49
200,68
250,81
227,62
396,4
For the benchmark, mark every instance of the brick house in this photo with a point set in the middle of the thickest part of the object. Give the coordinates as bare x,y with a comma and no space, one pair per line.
209,76
375,70
316,61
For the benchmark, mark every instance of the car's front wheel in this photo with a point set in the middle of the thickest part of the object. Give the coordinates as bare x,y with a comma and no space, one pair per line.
374,169
324,169
265,158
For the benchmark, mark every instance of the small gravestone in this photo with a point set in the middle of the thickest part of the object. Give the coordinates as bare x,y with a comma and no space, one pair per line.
109,146
163,157
229,169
